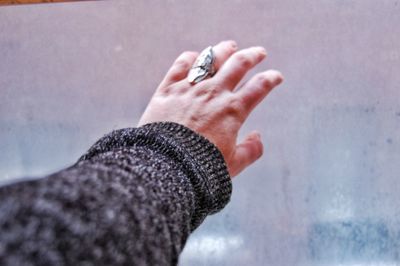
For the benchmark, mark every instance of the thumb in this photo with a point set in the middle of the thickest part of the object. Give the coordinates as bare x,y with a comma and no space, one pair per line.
246,153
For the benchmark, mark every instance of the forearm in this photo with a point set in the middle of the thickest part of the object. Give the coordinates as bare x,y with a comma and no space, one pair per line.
134,197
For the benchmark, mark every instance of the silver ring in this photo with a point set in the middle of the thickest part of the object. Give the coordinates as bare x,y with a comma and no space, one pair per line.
203,67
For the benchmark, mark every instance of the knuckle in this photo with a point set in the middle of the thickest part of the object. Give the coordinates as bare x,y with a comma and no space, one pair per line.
209,93
181,64
243,61
176,75
213,92
217,87
199,93
179,69
182,90
235,107
231,48
263,81
165,90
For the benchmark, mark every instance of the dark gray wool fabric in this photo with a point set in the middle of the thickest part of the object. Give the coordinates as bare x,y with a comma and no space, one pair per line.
132,199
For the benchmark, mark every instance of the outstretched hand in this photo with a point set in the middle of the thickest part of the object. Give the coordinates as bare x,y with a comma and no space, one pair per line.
214,107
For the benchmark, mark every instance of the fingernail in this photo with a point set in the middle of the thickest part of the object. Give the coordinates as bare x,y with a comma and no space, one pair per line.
278,78
261,50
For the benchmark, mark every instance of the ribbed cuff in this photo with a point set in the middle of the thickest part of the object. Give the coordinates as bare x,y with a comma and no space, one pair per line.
201,159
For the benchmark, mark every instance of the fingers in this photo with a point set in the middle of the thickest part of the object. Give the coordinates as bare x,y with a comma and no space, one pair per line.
252,93
238,65
246,153
179,69
255,90
222,51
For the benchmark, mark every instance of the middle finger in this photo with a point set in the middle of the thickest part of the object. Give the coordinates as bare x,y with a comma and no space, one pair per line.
234,69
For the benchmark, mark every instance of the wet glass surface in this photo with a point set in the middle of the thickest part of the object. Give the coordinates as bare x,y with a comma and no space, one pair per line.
326,190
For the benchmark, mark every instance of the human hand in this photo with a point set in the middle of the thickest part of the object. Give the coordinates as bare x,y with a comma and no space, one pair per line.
213,107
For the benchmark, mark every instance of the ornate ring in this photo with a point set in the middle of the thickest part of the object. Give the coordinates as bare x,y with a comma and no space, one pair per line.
203,67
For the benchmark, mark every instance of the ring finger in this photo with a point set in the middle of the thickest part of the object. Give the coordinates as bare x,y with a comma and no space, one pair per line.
222,51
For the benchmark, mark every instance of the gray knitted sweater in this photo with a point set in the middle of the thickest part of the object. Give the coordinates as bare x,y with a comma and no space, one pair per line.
132,199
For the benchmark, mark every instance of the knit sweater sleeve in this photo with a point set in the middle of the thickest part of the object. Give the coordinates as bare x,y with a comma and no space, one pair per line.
132,199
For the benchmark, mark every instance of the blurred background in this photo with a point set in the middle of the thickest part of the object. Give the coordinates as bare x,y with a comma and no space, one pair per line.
326,191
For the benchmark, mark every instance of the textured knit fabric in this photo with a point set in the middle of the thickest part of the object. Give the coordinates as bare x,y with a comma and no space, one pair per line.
132,199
